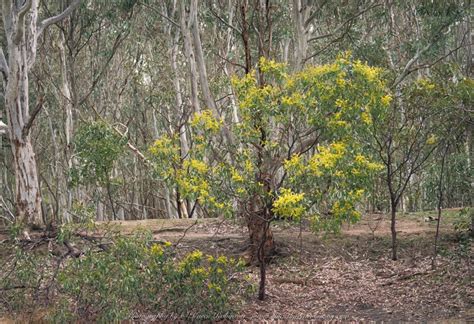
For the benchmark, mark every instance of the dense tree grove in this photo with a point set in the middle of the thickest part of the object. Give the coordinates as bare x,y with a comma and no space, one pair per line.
312,111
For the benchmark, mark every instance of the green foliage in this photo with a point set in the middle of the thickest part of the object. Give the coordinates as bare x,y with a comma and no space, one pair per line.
462,222
122,277
97,147
338,102
136,275
21,278
334,103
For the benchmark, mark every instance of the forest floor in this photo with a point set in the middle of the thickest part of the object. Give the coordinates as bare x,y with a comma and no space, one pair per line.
348,276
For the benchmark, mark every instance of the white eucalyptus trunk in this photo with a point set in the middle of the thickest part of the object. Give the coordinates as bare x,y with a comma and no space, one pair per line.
22,29
300,14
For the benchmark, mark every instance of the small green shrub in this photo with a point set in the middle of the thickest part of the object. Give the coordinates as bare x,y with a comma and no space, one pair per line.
463,221
139,276
117,277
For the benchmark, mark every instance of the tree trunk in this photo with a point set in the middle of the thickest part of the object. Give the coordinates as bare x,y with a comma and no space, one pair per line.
300,15
28,198
440,204
22,29
259,231
67,102
190,54
393,213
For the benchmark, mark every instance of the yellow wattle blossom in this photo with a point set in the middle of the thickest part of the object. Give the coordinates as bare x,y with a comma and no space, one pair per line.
240,191
222,259
357,194
156,250
366,118
340,81
196,165
215,287
196,255
345,209
248,167
364,163
294,165
267,65
168,244
289,204
326,158
386,100
432,139
425,84
198,272
164,146
236,177
342,103
207,121
296,99
368,72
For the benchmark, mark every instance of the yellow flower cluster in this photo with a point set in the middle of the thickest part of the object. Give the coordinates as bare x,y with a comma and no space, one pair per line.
236,176
196,165
289,204
213,286
249,168
222,260
164,146
432,140
364,163
294,165
366,118
326,158
368,72
207,121
271,66
156,250
199,272
196,255
425,84
386,100
344,210
296,99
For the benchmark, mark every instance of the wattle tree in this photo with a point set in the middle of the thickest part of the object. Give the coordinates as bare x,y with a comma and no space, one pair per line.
299,150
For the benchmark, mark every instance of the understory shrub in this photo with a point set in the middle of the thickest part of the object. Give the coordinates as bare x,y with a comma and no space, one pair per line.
130,277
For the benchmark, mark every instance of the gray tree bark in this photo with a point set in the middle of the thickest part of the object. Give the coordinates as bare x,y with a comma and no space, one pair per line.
22,30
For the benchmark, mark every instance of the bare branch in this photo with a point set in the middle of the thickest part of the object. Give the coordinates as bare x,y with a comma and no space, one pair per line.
174,23
314,14
407,67
345,23
52,20
406,70
235,29
39,106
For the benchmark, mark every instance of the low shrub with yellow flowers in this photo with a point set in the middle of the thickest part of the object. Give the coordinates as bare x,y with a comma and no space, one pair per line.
138,275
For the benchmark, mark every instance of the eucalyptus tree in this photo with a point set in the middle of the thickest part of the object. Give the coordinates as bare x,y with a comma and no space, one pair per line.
23,27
